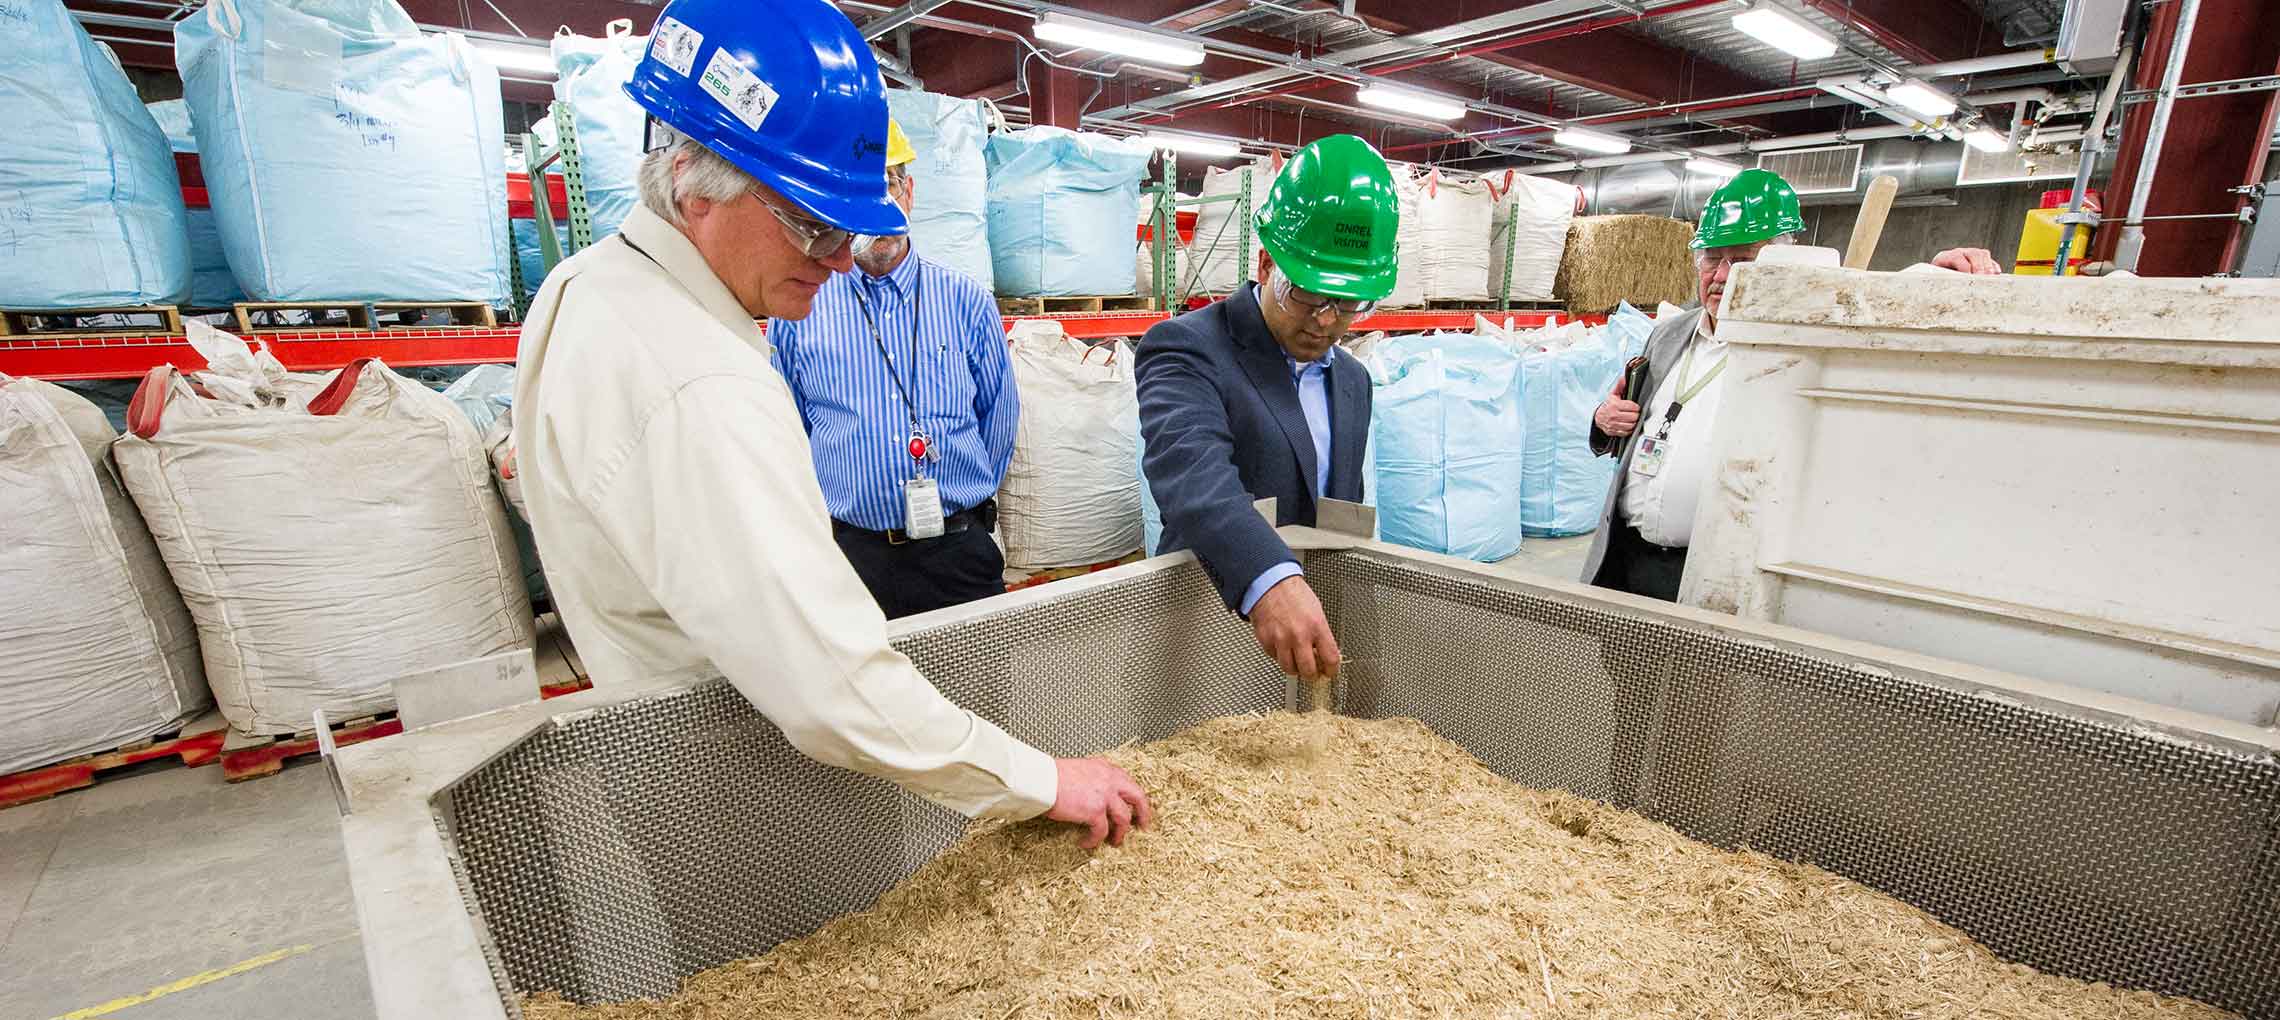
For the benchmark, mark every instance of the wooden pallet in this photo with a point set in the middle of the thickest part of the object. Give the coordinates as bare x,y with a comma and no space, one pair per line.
1076,303
146,320
268,316
1451,305
195,744
1033,579
245,756
433,315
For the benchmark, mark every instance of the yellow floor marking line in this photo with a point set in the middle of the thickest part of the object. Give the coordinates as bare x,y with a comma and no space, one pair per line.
194,981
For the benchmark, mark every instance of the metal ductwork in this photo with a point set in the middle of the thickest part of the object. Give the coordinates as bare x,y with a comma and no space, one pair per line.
1665,188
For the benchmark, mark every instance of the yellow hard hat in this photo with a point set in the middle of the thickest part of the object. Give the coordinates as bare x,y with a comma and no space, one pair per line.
898,145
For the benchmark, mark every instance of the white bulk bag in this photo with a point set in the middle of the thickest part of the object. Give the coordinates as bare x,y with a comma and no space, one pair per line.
326,539
100,651
1071,497
1409,243
1533,214
1455,218
1221,256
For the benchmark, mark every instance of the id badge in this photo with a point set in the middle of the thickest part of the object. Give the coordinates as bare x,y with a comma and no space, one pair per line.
922,508
1648,462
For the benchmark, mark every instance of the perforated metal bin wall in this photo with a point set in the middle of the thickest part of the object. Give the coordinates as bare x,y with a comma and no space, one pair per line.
611,855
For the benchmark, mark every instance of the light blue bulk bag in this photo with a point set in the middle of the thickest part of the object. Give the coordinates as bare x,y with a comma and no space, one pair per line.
1062,209
590,75
90,209
949,216
1447,435
528,254
1564,485
347,155
211,285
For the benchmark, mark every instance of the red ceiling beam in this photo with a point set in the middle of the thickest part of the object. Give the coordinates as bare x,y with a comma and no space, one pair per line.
1920,31
1628,66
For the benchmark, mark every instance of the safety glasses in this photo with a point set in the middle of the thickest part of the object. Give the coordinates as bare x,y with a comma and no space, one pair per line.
1315,304
814,239
1707,259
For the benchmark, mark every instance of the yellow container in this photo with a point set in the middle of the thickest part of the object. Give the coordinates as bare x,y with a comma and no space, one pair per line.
2038,244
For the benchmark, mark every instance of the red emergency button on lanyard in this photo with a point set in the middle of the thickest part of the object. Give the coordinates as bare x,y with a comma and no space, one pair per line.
917,447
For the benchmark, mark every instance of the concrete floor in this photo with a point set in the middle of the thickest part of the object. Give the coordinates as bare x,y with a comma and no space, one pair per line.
171,894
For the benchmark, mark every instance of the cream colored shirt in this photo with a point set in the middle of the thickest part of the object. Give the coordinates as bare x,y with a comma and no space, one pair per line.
678,515
1661,505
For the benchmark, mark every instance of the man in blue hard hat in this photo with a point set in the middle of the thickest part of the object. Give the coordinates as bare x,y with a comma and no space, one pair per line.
664,464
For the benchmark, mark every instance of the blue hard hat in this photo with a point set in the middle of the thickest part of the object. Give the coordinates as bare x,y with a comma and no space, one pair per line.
786,90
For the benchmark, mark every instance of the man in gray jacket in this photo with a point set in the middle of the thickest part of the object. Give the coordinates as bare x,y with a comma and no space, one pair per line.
1662,433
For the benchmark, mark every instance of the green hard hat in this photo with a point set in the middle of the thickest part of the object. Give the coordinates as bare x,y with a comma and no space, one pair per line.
1757,205
1330,217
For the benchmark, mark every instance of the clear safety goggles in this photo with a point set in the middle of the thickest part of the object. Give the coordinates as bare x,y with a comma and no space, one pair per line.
1314,304
1707,259
815,239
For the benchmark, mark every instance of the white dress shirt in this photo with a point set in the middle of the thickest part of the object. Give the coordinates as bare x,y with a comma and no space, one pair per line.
1661,504
677,512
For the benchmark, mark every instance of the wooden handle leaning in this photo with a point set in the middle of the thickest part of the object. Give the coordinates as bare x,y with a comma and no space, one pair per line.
1870,226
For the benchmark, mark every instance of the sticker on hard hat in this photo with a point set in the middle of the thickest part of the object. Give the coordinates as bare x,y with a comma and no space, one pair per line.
675,45
738,88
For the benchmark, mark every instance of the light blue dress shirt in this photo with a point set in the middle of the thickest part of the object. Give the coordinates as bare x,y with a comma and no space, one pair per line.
858,429
1313,379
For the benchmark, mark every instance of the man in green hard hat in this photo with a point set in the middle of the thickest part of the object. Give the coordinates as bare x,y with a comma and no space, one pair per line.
1661,433
1248,398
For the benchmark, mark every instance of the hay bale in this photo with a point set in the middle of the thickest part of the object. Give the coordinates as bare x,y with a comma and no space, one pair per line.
1326,867
1612,259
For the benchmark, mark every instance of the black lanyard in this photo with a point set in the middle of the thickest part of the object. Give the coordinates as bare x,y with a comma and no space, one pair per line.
917,288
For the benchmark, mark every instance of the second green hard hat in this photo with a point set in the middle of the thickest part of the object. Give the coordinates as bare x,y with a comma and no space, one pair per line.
1757,205
1330,218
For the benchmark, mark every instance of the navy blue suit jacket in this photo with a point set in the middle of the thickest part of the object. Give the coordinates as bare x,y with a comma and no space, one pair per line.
1219,411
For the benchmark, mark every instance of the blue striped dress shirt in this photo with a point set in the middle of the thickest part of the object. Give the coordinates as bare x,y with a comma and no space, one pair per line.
857,427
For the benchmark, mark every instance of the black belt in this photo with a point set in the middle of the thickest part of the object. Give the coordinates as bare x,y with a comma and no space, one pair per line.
983,516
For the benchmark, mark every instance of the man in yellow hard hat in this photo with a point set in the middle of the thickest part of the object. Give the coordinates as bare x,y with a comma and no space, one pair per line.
904,386
1661,433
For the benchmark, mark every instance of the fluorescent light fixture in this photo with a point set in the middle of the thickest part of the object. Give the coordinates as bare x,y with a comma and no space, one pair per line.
1422,104
1592,141
1212,148
1775,26
1056,27
1921,99
1987,139
1709,167
509,57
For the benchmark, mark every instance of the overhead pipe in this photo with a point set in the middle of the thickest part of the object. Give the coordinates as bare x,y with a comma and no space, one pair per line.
1525,39
2132,244
899,17
2093,145
1981,65
1742,100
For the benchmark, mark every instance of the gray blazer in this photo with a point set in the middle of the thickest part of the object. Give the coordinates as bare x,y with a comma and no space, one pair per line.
1663,348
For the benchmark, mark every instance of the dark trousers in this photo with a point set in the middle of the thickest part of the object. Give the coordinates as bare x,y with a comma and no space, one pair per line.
1640,567
925,575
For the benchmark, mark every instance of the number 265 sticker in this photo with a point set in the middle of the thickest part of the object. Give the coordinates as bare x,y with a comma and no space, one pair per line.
738,89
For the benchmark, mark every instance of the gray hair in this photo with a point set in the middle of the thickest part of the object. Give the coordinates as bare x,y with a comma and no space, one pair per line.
707,175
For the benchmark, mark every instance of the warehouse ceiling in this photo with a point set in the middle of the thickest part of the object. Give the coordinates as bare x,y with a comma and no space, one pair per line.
1668,73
